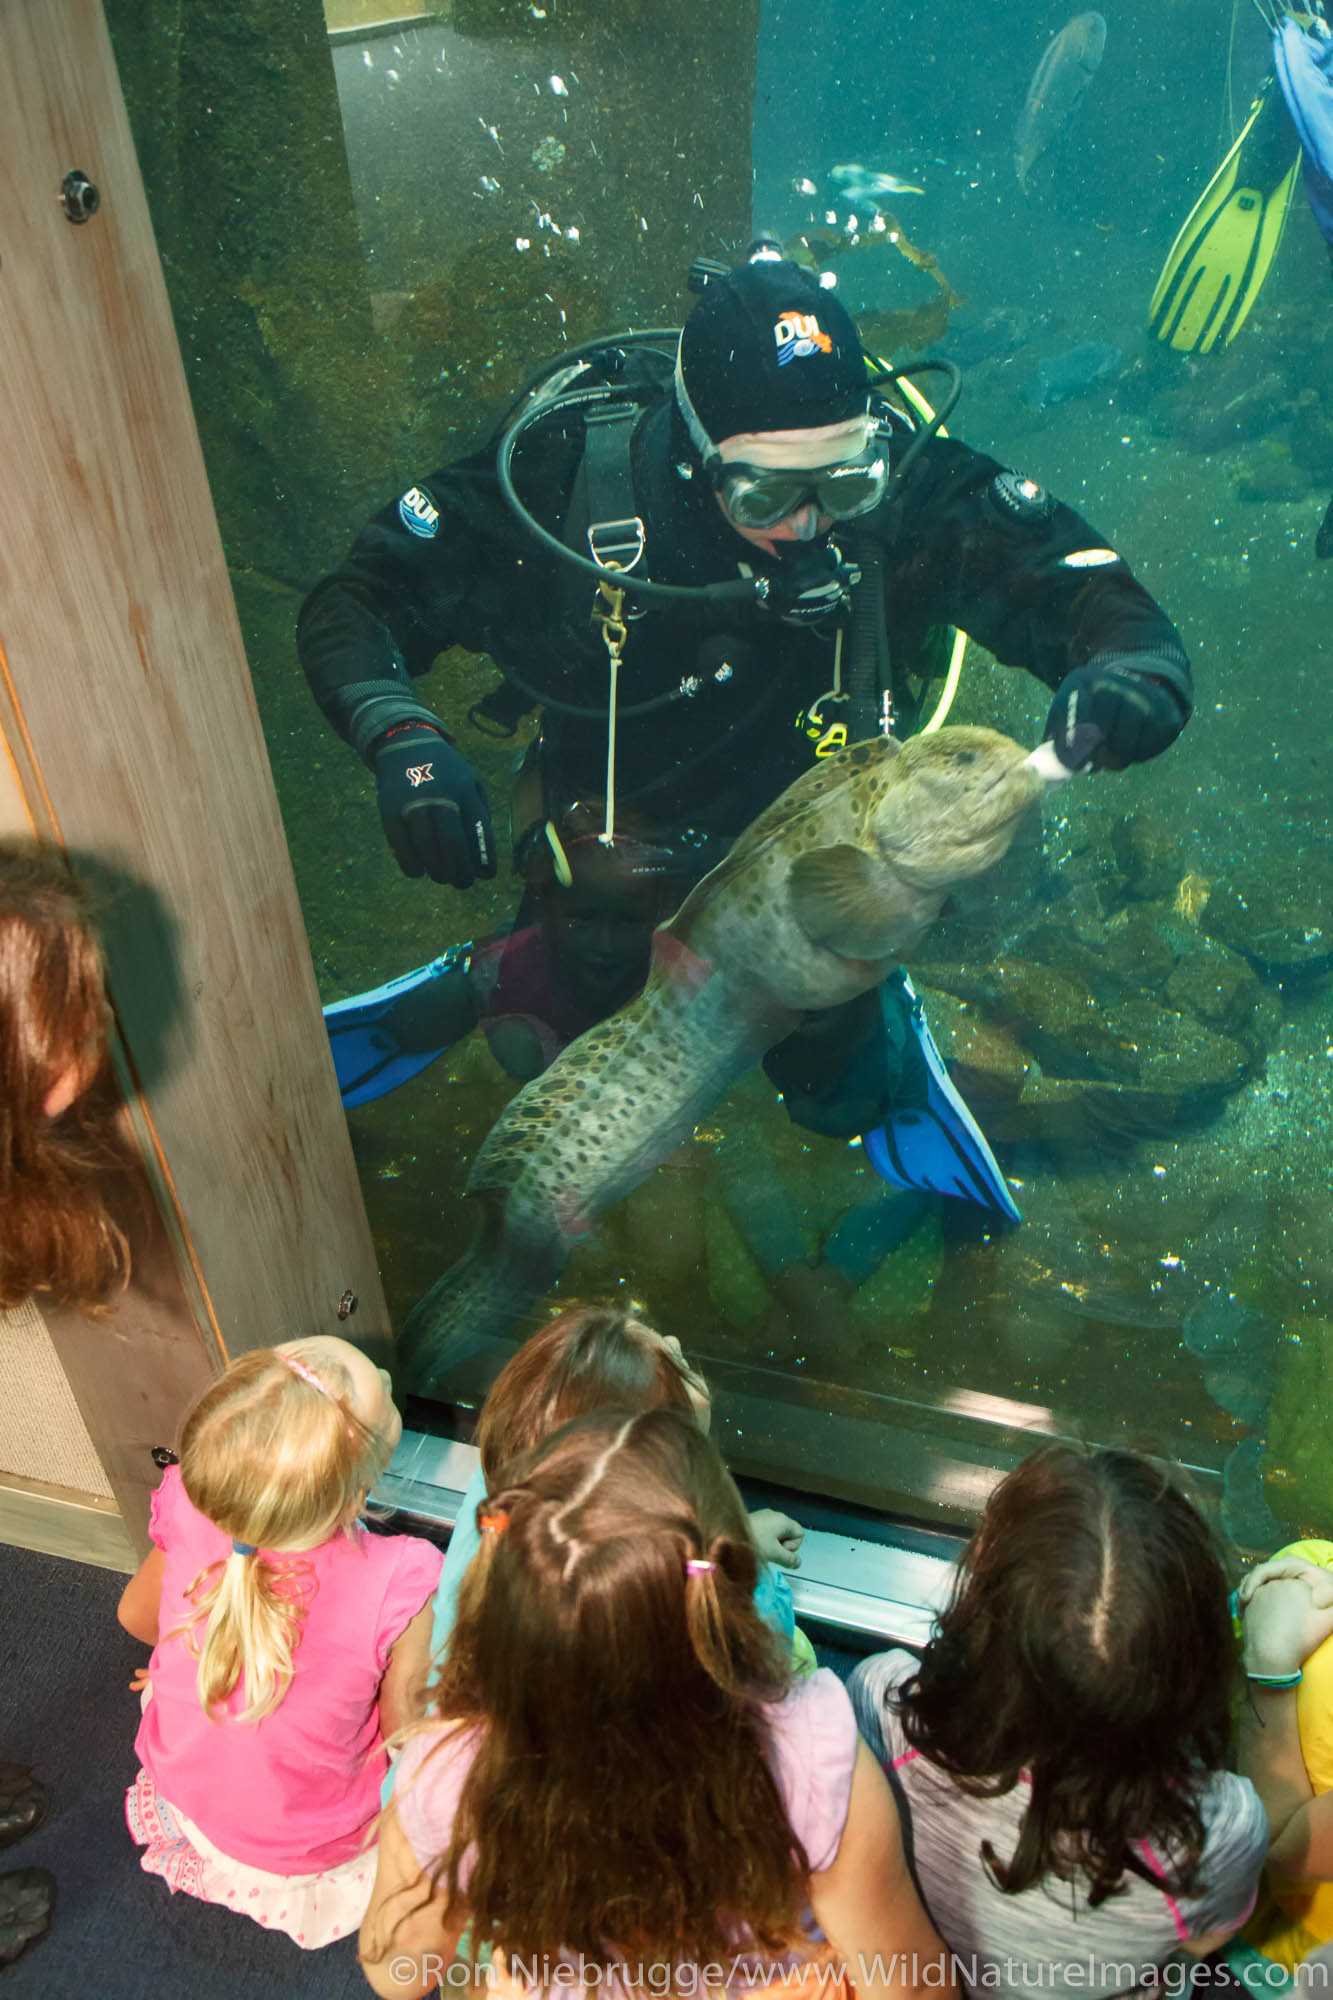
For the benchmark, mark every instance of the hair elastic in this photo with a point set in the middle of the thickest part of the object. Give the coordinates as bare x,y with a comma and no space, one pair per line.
698,1566
243,1548
1275,1681
306,1375
309,1375
492,1524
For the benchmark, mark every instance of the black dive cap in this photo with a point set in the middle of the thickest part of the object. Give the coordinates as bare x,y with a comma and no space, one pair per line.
768,348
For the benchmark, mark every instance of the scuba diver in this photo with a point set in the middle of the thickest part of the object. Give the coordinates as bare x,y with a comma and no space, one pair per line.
1218,263
708,559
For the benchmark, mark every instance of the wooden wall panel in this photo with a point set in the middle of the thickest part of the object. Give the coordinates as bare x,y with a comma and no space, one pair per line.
126,705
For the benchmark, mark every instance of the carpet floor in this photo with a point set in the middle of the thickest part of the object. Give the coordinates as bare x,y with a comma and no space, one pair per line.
117,1934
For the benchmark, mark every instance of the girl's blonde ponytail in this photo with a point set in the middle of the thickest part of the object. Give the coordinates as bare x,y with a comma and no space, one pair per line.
276,1455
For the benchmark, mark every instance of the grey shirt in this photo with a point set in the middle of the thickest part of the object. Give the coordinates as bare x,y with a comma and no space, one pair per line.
1048,1939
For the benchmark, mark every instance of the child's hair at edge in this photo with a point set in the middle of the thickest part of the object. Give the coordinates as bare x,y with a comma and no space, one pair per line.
58,1234
620,1802
1088,1647
281,1466
591,1357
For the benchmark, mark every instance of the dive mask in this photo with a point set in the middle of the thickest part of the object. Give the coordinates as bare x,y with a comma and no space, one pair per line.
759,496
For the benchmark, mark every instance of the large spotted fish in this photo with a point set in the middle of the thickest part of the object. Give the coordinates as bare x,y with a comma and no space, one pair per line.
817,902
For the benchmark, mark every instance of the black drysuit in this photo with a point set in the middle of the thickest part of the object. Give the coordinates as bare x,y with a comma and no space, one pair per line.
963,543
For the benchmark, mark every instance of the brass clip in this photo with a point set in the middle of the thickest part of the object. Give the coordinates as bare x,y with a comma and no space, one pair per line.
611,618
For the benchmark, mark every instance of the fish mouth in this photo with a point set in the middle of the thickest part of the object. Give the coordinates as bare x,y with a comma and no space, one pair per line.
1025,791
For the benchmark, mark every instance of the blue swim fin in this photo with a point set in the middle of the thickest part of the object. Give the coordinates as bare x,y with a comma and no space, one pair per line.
940,1149
364,1031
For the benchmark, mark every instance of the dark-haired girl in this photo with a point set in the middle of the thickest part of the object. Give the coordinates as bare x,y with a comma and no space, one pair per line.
1061,1745
628,1790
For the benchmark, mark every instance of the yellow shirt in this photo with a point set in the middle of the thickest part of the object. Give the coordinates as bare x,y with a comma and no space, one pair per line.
1299,1916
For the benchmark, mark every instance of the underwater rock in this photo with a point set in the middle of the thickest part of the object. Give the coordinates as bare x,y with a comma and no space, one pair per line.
1284,928
1300,1464
735,1283
665,1223
1312,441
1140,951
1176,1054
1237,1347
886,1306
989,1064
1273,479
1060,1021
1217,985
1148,854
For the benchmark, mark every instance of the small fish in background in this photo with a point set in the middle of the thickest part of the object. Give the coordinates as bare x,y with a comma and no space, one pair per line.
1062,378
866,188
1072,59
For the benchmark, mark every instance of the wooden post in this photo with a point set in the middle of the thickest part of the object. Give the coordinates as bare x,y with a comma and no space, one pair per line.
133,740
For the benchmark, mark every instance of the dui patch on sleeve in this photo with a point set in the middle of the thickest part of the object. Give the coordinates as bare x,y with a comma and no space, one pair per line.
418,513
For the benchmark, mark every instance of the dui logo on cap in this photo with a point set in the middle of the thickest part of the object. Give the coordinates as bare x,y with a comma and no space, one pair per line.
798,334
418,513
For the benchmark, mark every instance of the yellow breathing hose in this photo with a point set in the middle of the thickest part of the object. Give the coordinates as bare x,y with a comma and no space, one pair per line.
913,395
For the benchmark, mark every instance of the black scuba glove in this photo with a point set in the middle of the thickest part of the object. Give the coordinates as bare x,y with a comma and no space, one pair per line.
1111,713
435,814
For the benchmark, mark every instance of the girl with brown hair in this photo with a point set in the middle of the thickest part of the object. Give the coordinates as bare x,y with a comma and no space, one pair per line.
627,1788
1060,1747
597,1357
288,1642
57,1146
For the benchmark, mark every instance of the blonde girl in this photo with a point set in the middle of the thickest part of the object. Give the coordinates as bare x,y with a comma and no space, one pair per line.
288,1642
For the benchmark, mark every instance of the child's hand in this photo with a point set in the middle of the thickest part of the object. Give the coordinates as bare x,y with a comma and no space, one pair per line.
140,1681
1288,1611
777,1537
1319,1579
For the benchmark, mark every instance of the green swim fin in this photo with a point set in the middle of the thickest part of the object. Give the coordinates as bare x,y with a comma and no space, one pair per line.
1224,252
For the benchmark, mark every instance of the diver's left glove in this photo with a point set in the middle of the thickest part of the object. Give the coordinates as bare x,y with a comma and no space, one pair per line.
1112,712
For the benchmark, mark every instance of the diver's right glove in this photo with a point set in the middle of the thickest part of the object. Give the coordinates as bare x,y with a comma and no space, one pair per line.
434,810
1113,712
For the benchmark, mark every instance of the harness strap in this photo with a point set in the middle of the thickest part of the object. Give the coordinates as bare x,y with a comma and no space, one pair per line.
615,529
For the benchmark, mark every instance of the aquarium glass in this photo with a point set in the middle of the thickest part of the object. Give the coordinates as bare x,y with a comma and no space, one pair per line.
374,224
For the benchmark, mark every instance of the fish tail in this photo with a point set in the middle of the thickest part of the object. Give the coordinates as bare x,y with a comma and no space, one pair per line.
481,1298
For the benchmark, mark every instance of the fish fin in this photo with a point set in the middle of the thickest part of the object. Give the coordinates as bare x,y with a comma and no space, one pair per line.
803,796
840,899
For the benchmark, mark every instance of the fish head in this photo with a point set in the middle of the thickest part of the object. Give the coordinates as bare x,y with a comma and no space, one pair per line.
953,804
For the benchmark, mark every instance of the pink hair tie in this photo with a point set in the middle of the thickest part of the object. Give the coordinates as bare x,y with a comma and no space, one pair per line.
306,1374
309,1375
698,1566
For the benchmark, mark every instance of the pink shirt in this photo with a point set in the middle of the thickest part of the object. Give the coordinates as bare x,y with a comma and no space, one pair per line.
812,1752
298,1791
